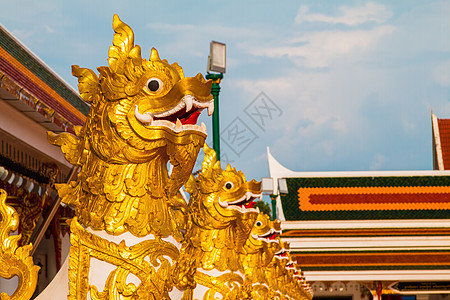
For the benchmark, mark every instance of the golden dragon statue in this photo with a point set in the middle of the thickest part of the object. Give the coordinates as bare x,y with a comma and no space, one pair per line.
221,216
285,278
143,115
258,253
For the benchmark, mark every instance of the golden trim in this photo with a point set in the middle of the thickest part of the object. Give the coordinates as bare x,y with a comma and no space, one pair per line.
140,260
15,260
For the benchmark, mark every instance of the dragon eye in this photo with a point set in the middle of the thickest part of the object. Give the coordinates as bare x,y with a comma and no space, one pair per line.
154,84
258,223
229,185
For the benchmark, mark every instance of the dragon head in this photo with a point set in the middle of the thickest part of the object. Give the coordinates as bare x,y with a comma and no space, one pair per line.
298,273
140,105
225,194
283,253
291,266
263,232
141,110
143,115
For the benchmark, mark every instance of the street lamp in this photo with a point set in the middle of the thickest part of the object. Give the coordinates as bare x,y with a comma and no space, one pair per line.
267,187
282,186
216,63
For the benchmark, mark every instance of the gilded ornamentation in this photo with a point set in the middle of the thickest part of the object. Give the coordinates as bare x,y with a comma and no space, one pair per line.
284,276
15,260
130,218
143,114
28,203
276,269
139,260
257,255
221,215
29,207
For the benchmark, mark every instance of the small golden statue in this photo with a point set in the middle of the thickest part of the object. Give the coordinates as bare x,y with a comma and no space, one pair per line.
221,215
258,254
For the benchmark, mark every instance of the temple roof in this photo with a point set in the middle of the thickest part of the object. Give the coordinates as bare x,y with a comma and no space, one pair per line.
30,85
369,225
367,197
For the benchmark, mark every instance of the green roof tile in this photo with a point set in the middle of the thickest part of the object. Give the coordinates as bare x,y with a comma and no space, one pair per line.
292,212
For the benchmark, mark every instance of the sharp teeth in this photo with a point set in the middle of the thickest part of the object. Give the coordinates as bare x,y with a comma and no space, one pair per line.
203,127
178,125
146,118
188,101
223,204
210,108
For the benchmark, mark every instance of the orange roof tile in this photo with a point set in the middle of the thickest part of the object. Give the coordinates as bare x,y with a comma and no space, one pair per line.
444,133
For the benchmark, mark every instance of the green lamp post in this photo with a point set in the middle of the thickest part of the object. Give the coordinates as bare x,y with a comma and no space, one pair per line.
216,63
215,90
273,199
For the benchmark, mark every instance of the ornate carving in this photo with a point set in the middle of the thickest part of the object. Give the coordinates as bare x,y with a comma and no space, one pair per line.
15,260
256,255
221,215
29,204
143,115
284,277
138,260
29,207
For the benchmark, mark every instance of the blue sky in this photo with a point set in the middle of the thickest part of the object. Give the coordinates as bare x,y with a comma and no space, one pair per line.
327,85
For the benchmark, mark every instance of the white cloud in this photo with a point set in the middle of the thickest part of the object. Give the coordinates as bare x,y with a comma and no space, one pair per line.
320,49
352,16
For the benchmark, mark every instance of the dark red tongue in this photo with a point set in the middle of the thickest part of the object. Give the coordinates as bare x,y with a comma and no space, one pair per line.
250,204
273,236
192,119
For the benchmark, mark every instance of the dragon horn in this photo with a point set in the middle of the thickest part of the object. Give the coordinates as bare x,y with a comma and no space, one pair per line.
180,70
209,160
135,55
217,166
154,56
123,42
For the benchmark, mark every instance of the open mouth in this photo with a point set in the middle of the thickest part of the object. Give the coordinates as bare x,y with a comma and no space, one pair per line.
245,204
282,254
270,237
181,117
290,265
